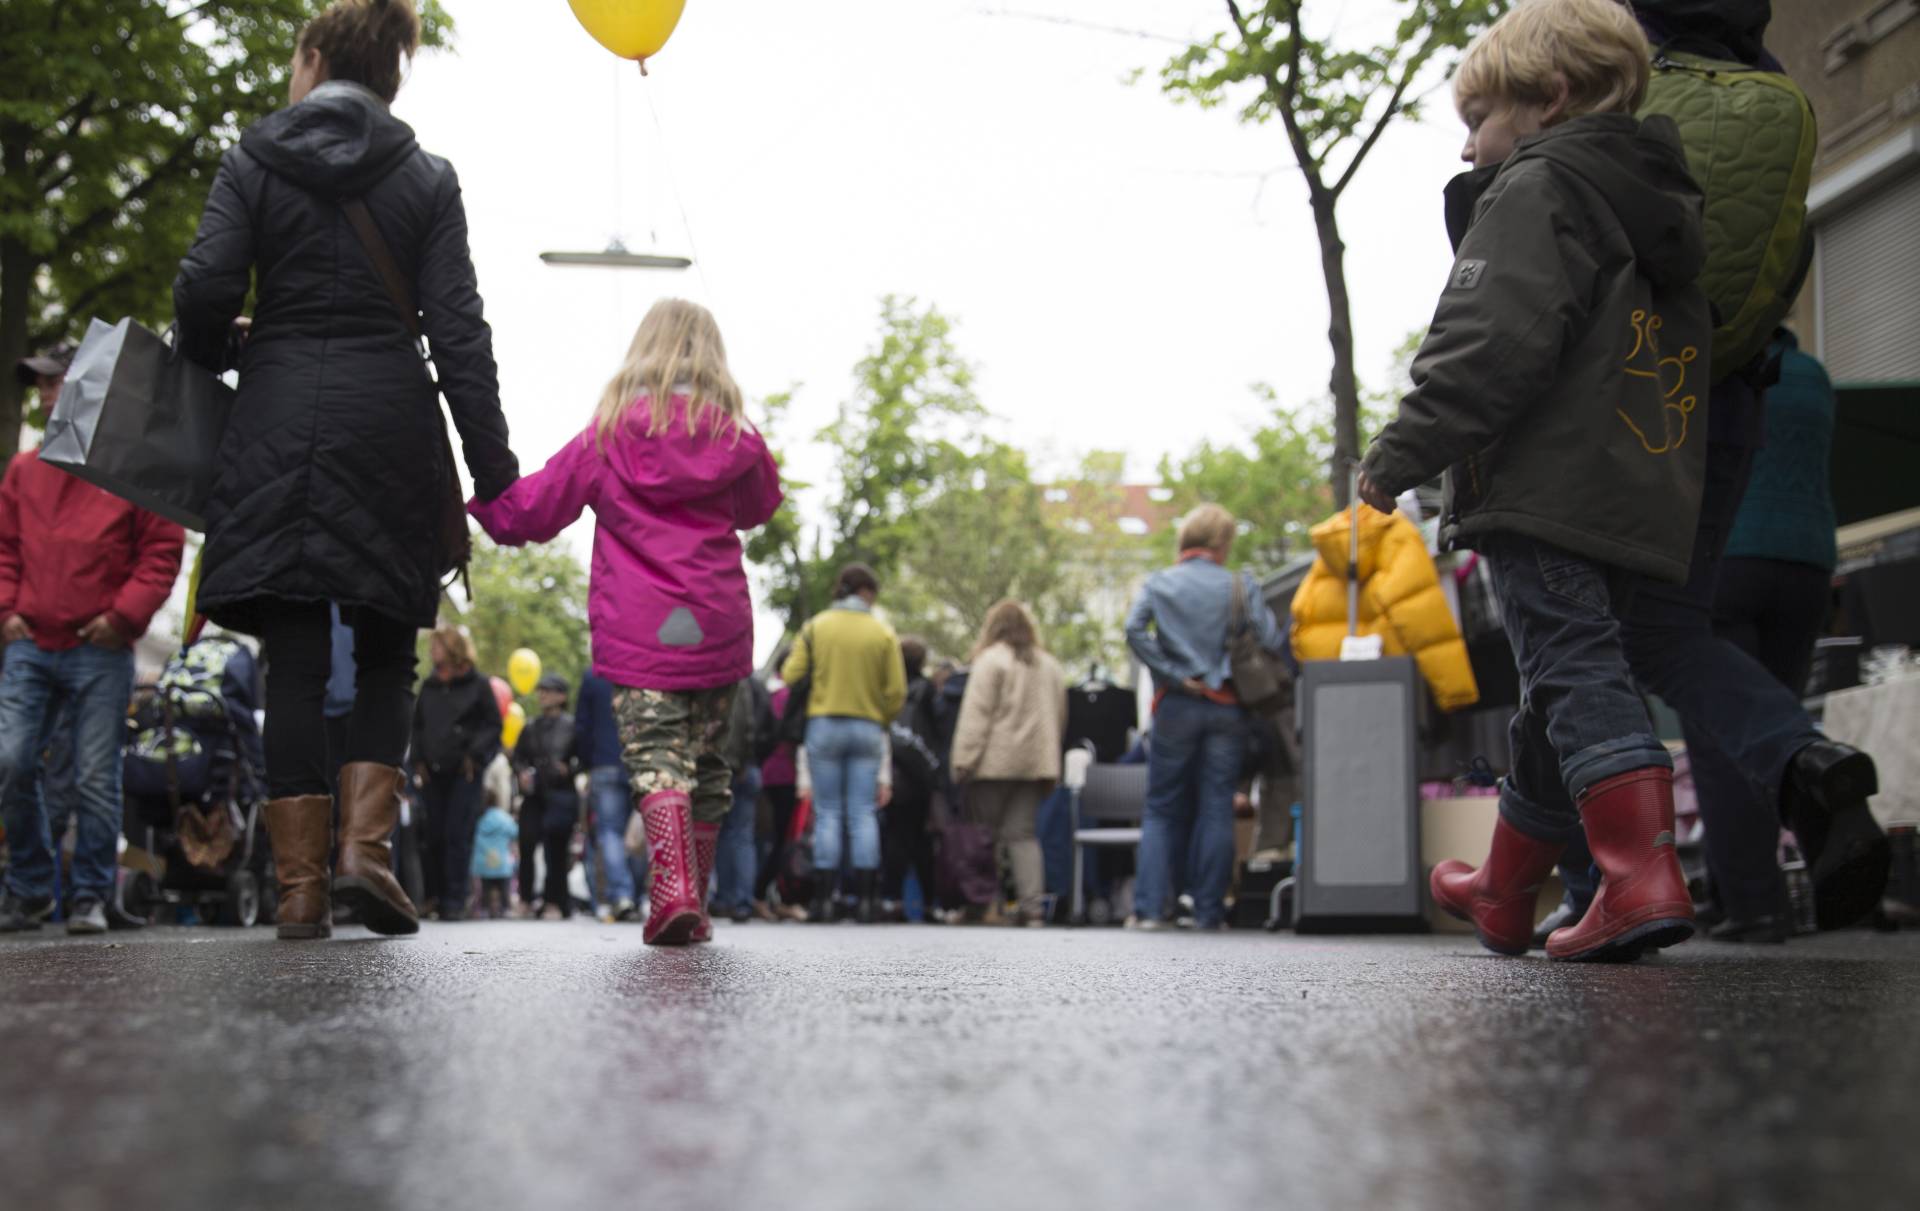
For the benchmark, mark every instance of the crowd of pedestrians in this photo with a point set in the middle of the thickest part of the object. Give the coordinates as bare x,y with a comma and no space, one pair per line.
1611,517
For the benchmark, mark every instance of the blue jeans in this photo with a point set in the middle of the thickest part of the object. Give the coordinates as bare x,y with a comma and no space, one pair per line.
612,808
844,757
1580,720
736,861
1198,751
89,687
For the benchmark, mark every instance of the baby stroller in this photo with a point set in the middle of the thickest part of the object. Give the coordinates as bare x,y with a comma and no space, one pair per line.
194,798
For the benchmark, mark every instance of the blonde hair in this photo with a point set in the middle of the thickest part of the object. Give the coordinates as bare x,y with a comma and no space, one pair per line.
1208,528
676,349
1595,46
1009,622
456,643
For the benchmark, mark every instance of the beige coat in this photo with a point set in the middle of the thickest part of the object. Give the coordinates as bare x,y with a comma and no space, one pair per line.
1013,718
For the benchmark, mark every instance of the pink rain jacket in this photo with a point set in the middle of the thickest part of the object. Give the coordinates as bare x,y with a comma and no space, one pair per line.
668,602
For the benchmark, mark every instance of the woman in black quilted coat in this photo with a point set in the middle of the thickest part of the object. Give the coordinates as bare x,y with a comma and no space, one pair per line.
332,478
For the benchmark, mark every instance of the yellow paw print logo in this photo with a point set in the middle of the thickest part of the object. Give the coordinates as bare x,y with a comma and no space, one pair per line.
1670,373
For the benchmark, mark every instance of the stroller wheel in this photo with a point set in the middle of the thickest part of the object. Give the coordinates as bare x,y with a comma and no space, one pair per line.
242,904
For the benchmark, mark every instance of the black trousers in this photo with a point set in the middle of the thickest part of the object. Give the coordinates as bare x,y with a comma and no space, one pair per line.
529,845
1773,611
783,800
297,643
559,813
452,804
905,844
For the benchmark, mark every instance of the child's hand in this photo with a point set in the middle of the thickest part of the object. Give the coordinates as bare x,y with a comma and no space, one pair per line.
1374,494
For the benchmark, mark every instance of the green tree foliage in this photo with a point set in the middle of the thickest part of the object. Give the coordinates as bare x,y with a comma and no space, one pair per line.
951,519
1334,103
1275,481
908,431
527,597
113,116
982,536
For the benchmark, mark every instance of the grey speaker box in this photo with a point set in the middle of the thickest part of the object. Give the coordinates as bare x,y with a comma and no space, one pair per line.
1359,868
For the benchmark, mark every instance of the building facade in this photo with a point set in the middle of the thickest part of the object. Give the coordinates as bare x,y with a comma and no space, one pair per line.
1859,63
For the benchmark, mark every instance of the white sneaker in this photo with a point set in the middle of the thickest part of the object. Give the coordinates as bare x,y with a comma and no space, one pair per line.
87,916
1145,924
605,915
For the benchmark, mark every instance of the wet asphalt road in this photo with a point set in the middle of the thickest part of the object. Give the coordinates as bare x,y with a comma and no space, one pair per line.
524,1064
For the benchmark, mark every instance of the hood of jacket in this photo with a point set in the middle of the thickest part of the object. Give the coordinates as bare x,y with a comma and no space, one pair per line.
338,142
679,465
1719,29
1638,168
1332,540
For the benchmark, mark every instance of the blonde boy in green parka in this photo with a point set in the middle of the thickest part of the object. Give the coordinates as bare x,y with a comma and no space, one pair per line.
1561,389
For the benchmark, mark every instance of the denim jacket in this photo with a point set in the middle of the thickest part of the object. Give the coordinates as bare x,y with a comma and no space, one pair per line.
1178,625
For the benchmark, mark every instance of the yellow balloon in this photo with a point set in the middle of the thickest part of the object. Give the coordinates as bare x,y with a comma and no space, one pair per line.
513,725
523,670
632,29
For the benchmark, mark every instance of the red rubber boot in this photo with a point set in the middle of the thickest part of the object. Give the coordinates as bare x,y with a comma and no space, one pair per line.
706,843
1643,902
674,908
1500,898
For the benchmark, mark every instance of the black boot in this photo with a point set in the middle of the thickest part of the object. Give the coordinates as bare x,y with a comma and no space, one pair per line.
1769,930
1823,799
864,883
826,900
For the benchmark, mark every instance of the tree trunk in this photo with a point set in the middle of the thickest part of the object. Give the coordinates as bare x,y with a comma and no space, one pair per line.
17,268
1343,386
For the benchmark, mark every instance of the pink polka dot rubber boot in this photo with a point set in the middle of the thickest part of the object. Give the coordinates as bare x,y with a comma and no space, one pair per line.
706,843
674,912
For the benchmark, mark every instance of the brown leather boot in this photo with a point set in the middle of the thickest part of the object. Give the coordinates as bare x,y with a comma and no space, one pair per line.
369,810
301,832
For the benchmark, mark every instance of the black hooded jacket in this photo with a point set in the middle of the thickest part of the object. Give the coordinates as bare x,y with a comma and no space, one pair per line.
456,725
1563,383
331,472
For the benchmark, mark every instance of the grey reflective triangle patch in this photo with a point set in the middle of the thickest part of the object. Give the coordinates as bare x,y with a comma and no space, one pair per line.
1665,839
1467,274
680,630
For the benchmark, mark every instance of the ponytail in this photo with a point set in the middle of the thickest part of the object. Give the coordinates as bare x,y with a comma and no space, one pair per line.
364,41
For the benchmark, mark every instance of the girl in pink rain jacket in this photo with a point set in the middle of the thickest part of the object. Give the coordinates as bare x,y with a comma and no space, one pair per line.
673,472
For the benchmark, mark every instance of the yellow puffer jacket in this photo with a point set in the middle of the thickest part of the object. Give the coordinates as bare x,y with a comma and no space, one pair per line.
1400,601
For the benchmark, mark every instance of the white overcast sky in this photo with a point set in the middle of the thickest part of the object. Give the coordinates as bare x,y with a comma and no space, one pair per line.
1119,269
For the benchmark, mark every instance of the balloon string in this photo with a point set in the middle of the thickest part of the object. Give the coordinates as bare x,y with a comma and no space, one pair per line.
680,203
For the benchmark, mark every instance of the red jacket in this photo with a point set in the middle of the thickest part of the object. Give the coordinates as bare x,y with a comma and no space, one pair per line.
70,552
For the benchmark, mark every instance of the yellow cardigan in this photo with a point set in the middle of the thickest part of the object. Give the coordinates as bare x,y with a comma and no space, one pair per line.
1400,601
858,672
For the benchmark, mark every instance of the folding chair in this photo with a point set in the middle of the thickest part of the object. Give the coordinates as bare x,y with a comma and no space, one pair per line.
1113,795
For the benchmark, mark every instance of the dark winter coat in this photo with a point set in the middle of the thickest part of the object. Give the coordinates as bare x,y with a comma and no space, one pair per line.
456,725
1563,384
550,748
332,477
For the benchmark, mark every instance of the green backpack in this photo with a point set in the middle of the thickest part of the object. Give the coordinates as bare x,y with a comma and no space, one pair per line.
1749,138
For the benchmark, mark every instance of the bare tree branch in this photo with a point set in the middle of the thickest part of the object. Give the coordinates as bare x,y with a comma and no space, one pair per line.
1413,67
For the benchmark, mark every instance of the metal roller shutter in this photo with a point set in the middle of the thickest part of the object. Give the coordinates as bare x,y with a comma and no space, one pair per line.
1869,286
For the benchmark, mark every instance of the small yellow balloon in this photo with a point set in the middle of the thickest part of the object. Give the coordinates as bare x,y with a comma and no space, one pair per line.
523,670
632,29
513,725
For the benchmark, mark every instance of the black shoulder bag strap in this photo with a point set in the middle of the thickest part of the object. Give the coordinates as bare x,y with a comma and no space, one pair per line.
456,541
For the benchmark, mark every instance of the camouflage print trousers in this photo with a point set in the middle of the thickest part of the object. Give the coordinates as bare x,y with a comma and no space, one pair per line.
674,740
